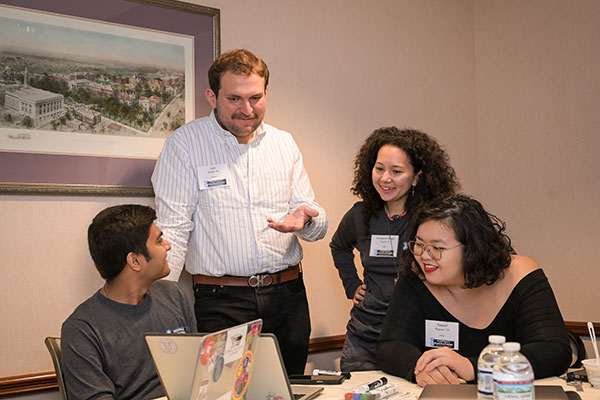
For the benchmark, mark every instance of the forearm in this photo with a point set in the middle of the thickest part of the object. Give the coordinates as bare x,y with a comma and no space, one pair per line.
547,359
398,358
176,230
541,331
176,197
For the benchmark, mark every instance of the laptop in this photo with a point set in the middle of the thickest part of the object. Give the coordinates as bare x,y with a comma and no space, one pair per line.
269,380
211,366
469,392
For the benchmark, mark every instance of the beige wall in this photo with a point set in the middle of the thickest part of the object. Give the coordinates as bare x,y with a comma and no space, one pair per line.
538,97
341,68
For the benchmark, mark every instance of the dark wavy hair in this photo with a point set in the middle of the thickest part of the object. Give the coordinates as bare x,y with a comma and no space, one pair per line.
436,181
115,232
486,248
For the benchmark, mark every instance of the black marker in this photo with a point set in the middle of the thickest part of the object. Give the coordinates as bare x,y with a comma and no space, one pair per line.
330,372
373,385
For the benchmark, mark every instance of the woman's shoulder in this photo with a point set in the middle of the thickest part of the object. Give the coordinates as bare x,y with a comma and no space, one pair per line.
412,281
358,206
520,267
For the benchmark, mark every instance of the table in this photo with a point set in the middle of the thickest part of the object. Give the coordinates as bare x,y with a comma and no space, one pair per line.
336,392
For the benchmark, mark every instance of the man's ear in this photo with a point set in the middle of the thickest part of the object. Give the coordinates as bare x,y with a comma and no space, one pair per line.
134,261
211,97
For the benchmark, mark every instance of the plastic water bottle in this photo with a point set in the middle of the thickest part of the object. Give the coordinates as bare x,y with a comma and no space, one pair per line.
513,375
485,366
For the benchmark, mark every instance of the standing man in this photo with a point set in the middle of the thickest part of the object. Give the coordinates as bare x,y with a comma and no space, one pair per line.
104,354
233,198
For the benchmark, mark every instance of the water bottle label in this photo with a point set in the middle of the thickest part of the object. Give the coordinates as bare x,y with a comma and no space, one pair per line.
485,382
514,390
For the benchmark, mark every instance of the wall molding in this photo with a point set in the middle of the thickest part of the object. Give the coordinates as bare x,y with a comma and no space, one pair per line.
39,382
580,328
42,381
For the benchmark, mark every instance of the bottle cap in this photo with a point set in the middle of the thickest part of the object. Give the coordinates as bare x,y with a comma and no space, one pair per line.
511,346
497,339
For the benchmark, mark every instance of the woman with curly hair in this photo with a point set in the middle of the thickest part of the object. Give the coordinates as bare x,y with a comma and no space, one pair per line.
395,172
461,283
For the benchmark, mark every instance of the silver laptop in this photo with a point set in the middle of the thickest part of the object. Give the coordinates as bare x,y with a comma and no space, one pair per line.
269,379
211,366
469,392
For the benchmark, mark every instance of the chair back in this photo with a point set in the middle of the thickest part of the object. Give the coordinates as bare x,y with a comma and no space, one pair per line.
53,345
578,352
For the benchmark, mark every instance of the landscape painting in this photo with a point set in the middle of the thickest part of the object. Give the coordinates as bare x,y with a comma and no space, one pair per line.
75,86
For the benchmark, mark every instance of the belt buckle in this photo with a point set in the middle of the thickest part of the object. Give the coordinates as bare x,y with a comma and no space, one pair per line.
260,280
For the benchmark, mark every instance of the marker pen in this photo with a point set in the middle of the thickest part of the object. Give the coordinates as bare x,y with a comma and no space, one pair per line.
372,385
346,375
379,393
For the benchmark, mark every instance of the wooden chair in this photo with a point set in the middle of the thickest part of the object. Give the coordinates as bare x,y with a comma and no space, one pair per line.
53,345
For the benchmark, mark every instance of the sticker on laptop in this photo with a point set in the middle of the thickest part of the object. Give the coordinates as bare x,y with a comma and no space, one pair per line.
168,346
207,351
242,376
218,369
235,344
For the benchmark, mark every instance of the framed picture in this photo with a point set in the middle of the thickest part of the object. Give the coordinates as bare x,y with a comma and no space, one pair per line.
90,90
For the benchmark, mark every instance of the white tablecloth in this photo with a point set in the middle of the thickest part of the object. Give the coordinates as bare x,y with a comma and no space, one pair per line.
336,392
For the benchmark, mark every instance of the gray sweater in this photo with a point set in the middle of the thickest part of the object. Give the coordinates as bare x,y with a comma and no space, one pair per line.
104,353
366,318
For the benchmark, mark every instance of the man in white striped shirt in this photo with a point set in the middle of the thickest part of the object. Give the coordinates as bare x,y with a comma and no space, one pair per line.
233,198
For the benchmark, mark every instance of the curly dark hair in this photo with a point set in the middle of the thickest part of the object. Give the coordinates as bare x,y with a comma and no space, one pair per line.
436,181
486,248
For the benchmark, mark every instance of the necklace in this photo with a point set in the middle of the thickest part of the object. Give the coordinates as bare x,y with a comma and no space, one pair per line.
393,217
395,256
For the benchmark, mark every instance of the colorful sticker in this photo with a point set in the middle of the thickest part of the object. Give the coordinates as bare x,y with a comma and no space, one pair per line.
203,391
168,346
235,344
218,369
207,351
253,333
242,376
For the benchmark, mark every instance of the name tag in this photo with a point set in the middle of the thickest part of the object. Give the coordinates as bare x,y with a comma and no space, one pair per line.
212,176
384,246
441,334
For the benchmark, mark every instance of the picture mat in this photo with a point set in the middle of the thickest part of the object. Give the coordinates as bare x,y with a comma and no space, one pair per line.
74,143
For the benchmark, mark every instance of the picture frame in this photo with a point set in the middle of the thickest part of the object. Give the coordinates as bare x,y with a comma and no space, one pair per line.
45,171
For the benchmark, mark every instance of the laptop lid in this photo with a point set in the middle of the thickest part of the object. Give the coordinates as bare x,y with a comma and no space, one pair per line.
469,392
211,366
269,380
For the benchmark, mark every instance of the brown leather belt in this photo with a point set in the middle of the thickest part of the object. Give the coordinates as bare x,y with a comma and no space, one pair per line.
258,280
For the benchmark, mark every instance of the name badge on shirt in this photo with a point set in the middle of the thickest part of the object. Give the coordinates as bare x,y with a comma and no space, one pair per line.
212,176
384,246
441,334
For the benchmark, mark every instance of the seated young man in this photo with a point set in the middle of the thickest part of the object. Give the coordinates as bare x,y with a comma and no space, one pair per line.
104,353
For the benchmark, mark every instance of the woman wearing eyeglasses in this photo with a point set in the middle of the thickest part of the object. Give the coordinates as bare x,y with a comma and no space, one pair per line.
462,282
396,171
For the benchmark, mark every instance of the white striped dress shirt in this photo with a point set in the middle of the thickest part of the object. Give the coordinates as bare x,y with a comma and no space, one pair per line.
223,230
